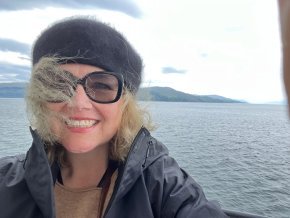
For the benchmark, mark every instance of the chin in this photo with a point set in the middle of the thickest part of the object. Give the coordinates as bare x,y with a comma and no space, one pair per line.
79,149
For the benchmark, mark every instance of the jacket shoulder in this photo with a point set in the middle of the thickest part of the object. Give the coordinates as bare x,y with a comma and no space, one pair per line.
11,165
178,194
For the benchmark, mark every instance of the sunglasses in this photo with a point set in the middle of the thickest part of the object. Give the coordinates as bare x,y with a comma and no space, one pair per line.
101,87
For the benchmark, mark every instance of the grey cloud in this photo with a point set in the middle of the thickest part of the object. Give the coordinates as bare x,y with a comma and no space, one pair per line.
125,6
167,70
15,46
21,72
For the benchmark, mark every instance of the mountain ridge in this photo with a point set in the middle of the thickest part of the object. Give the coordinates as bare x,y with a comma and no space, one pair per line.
155,93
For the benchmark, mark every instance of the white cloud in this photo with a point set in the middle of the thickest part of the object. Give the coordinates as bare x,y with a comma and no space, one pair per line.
228,48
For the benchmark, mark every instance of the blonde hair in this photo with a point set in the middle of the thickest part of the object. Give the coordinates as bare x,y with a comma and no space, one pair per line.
47,74
47,83
133,118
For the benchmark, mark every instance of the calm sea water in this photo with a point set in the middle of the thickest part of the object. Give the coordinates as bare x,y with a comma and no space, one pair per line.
239,153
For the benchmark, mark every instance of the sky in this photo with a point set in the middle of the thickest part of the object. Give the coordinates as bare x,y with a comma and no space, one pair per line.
229,48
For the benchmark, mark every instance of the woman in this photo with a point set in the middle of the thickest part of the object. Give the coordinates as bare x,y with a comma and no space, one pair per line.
92,155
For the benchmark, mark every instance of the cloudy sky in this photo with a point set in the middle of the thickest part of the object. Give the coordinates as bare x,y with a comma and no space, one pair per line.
226,47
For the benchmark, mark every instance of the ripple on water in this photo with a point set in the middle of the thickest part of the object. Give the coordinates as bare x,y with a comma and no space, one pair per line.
238,153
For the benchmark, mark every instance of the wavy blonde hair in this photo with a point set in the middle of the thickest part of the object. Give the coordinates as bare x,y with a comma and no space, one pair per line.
48,82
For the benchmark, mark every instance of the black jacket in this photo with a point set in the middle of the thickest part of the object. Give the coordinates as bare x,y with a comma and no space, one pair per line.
149,184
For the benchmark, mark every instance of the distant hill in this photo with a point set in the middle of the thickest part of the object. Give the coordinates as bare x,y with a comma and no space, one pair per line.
169,94
17,90
12,90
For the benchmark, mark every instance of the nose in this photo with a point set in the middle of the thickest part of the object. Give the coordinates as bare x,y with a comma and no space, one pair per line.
80,100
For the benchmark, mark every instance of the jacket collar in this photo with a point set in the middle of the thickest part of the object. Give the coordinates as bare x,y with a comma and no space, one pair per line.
38,176
143,152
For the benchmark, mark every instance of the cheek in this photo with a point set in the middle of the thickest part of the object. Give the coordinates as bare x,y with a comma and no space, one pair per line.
113,114
55,123
54,107
54,127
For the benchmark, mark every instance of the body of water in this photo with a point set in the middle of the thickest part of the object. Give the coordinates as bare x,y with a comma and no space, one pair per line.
238,153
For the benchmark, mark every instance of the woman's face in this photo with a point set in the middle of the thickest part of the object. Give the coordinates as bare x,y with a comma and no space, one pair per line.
87,124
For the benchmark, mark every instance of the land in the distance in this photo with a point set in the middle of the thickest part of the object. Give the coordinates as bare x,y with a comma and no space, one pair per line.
17,90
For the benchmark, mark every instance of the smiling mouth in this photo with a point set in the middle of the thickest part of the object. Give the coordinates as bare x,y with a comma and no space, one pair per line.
80,123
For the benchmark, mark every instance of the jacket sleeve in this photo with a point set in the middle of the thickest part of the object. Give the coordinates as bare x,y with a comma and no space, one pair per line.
175,194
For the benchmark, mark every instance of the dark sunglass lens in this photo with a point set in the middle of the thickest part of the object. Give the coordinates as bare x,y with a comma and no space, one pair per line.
102,87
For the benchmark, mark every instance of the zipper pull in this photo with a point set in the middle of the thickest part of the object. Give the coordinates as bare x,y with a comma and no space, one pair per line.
150,143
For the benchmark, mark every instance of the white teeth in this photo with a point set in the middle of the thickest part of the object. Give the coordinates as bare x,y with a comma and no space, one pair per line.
80,123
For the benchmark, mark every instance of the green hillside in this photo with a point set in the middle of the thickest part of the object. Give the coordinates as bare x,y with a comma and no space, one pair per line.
169,94
17,90
12,90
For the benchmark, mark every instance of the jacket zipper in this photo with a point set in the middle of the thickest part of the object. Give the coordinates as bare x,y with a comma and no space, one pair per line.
125,166
147,152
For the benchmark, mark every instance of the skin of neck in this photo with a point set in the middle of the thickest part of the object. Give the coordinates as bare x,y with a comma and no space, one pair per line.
85,169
